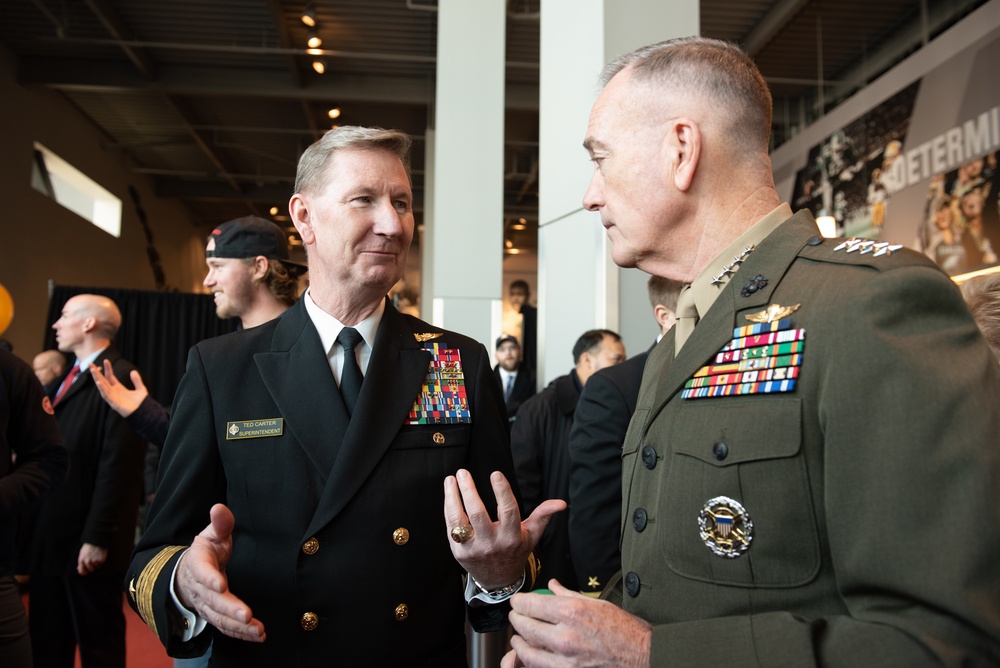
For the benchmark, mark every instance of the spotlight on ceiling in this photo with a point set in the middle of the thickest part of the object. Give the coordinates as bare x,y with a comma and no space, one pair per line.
314,41
309,15
334,113
274,211
319,65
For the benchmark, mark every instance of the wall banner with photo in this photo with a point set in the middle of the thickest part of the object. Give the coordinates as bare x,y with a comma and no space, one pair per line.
920,168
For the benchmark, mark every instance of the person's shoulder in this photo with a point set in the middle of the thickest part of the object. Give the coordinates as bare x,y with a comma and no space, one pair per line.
547,397
11,362
244,339
632,367
861,252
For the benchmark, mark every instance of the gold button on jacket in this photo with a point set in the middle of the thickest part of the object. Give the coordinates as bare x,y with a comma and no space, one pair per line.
311,546
309,621
400,536
402,612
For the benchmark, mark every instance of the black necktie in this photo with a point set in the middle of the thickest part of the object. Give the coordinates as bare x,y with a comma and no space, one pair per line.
350,377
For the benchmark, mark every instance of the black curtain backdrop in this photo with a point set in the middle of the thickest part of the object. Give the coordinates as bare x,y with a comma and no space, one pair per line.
157,330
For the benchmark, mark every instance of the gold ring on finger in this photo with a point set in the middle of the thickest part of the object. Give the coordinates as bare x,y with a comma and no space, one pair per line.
462,533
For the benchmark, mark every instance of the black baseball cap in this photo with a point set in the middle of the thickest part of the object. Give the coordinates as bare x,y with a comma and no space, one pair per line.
250,236
504,338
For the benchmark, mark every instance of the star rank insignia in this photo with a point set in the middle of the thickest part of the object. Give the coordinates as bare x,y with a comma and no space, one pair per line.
592,582
865,246
731,268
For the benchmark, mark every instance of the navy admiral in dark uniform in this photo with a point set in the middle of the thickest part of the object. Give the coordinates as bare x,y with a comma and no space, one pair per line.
318,444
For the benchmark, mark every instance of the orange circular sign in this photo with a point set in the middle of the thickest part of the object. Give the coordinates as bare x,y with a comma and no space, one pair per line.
6,309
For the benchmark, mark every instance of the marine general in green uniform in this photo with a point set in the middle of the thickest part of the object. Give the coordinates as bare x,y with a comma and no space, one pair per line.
812,472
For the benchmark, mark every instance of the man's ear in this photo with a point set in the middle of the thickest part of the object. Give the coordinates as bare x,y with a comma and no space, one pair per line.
260,264
664,316
299,211
685,138
89,324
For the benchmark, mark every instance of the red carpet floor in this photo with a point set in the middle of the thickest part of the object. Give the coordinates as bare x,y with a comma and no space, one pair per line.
142,648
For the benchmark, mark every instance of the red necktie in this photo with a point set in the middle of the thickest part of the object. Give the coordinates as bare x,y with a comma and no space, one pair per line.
66,384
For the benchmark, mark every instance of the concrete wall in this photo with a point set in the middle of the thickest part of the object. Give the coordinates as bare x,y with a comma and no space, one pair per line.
42,241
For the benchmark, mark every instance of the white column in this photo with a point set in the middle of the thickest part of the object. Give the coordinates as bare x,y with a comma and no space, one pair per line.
466,253
579,287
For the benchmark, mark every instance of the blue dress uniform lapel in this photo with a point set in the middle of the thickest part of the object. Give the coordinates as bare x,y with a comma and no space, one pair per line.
303,388
396,370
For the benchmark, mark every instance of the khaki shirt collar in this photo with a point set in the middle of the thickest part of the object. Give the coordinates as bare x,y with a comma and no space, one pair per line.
705,293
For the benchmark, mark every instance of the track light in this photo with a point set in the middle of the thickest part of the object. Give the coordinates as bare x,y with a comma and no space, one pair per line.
319,65
334,113
309,15
314,41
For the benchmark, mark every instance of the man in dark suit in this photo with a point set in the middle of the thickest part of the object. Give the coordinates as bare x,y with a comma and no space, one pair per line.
316,445
595,450
517,382
539,442
814,438
84,530
29,434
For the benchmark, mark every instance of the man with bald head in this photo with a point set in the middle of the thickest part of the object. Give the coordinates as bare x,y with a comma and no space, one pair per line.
48,365
83,534
783,504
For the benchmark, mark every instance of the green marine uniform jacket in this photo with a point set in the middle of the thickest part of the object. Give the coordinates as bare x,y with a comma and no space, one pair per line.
867,498
340,546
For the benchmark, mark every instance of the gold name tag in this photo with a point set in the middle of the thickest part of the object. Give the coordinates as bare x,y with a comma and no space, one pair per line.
254,428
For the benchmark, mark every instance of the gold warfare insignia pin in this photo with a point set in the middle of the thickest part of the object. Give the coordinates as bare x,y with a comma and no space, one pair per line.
427,336
725,527
772,313
240,429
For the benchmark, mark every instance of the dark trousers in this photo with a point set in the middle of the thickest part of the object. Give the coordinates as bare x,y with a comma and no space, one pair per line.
72,610
15,646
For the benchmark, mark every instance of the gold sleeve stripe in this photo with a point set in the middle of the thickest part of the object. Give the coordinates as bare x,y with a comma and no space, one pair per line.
147,579
534,565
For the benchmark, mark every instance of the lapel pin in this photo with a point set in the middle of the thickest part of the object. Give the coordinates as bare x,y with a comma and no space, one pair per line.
772,313
753,285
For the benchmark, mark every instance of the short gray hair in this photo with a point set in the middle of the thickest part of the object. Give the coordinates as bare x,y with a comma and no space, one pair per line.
717,69
311,173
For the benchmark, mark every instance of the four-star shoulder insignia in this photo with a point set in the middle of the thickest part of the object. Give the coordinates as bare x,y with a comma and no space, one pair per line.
427,336
865,246
772,313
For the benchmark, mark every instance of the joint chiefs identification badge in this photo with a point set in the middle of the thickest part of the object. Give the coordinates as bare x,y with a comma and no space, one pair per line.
725,527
